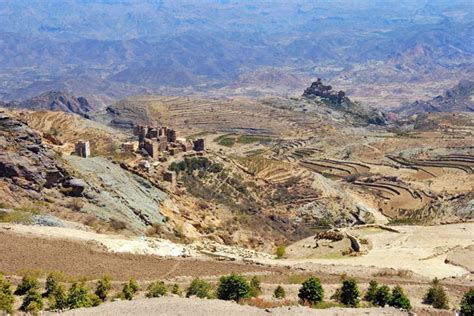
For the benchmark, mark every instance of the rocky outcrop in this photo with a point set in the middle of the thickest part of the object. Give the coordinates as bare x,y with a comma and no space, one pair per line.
75,186
339,101
55,101
318,89
24,161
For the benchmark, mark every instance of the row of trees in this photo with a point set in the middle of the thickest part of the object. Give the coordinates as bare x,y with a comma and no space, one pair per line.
232,287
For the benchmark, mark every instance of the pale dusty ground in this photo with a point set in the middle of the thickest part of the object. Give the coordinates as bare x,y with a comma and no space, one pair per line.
120,244
200,307
421,249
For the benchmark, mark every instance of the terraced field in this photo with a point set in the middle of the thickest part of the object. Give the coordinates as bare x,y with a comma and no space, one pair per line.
68,128
227,116
396,196
335,168
436,166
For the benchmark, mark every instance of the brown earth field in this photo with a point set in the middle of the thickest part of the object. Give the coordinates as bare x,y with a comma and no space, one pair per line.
21,253
75,260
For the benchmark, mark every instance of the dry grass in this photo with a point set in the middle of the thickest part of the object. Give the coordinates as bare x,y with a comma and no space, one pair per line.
401,273
263,303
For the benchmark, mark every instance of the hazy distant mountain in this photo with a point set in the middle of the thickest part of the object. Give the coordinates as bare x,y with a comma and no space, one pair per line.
152,46
458,99
54,101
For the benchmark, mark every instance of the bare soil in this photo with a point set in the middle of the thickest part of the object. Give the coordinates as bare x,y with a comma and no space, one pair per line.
19,253
200,307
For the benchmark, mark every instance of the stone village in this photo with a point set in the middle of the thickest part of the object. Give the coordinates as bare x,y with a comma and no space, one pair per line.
155,145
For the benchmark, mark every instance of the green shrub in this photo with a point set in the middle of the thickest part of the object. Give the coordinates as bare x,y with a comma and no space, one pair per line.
134,285
52,283
370,294
28,283
130,289
280,251
436,296
57,298
382,296
33,302
78,296
175,289
156,289
255,288
350,294
311,291
199,288
233,287
279,292
399,299
103,288
7,299
95,299
467,303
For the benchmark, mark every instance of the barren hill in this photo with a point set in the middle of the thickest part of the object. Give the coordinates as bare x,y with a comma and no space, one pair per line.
458,99
54,101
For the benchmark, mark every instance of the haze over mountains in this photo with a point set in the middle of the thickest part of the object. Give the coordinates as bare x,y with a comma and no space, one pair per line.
106,50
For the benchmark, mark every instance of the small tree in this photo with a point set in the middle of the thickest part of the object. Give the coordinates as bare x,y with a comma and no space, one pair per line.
436,296
7,299
78,296
156,289
382,296
28,283
399,299
199,288
57,298
103,288
370,294
279,292
255,288
33,302
280,251
350,294
233,287
134,285
467,303
94,299
175,289
311,291
130,289
52,283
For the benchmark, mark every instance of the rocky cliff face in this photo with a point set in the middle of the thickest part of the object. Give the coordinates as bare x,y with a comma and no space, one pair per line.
339,101
458,99
55,101
24,161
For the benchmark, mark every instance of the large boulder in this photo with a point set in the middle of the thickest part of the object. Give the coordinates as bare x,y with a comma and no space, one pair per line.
75,186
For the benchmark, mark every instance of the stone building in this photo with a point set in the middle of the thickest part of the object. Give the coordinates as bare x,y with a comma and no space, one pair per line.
169,176
171,134
163,143
198,144
82,149
140,131
152,133
151,147
129,147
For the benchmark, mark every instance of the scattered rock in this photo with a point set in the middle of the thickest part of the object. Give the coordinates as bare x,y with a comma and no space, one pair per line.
76,186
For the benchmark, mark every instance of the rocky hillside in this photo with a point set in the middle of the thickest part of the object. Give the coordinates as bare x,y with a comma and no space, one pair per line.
41,183
339,101
54,101
458,99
